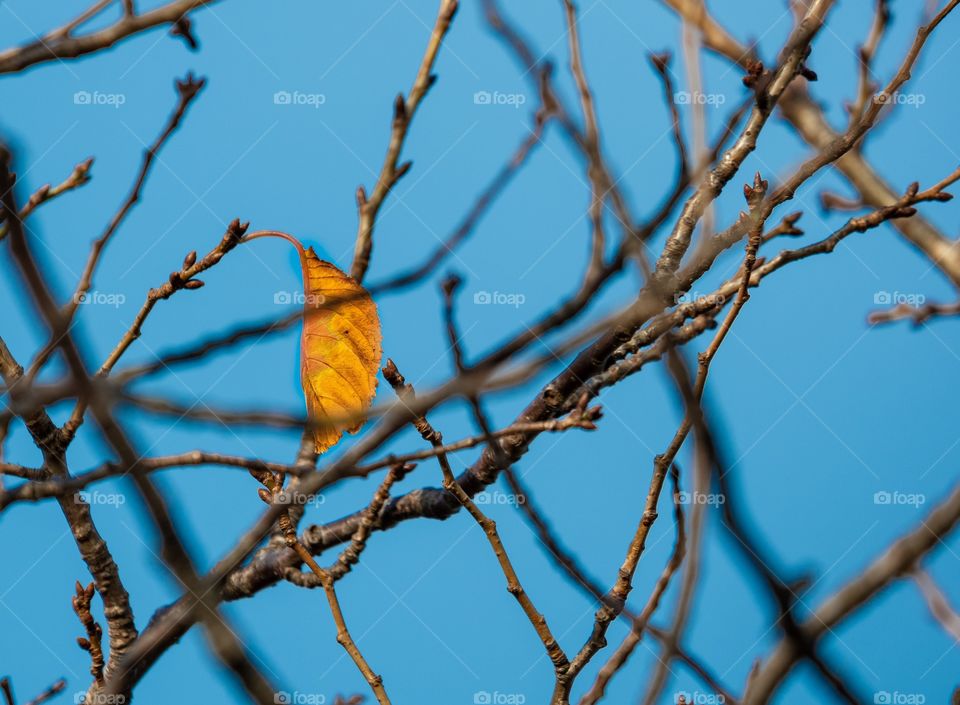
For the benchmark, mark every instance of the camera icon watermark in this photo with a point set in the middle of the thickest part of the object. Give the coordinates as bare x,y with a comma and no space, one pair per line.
497,98
685,697
888,298
899,499
296,697
886,697
709,499
497,298
485,697
100,298
312,100
82,696
699,98
299,498
107,499
502,498
114,100
696,297
285,298
912,99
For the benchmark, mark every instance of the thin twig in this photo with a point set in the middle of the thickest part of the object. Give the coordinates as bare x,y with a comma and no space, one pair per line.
184,278
275,485
403,111
187,91
90,643
406,392
62,44
46,193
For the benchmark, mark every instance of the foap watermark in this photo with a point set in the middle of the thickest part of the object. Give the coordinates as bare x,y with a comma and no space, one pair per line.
699,98
311,100
100,298
296,697
899,499
301,498
497,98
887,298
498,497
284,298
708,498
499,298
485,697
696,297
113,100
896,697
913,99
81,696
686,697
108,499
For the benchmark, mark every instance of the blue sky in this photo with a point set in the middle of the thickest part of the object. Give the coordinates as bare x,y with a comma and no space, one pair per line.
821,410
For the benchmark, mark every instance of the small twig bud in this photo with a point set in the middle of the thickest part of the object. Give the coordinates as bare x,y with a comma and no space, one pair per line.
754,194
260,475
450,284
661,60
182,28
754,72
402,170
808,73
400,109
190,86
40,195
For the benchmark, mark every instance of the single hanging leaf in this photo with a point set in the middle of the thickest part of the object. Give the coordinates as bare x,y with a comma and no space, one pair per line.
340,349
340,346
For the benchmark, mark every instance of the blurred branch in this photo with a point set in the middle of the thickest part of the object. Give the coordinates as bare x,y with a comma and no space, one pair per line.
806,116
7,689
867,53
61,44
586,346
121,628
917,314
775,84
184,278
896,562
78,177
938,604
56,688
497,185
187,90
223,641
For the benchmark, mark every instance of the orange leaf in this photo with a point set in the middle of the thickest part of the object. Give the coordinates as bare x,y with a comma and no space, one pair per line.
340,346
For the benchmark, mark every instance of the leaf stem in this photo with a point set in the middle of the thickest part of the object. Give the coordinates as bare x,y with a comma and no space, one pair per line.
277,233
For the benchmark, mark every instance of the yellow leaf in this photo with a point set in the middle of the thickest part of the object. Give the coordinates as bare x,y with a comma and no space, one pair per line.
340,346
